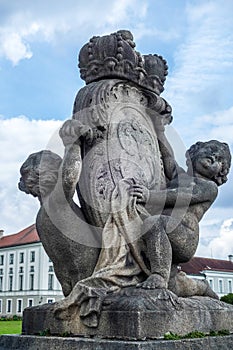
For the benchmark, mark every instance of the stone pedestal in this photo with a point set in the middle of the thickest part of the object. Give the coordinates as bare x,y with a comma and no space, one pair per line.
134,316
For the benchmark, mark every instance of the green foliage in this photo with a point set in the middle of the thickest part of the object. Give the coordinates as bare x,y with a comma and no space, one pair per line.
65,334
171,336
11,318
10,327
45,333
224,332
219,333
3,318
195,334
213,333
227,298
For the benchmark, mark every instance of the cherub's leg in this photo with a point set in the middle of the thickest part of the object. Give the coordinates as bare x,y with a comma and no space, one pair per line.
184,286
183,239
159,252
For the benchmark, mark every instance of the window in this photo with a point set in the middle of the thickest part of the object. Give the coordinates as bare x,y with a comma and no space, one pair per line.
31,282
0,306
20,282
211,283
10,288
31,268
229,286
32,256
11,259
1,283
50,301
21,269
10,270
19,305
51,269
220,286
1,259
21,258
50,282
1,271
8,305
30,302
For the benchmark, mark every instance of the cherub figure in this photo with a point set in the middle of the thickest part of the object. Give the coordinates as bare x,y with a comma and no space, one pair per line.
60,222
171,234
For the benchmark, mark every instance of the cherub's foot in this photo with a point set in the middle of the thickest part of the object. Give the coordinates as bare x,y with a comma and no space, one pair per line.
184,286
154,281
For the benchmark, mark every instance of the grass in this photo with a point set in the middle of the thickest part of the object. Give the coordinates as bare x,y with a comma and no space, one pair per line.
195,334
10,327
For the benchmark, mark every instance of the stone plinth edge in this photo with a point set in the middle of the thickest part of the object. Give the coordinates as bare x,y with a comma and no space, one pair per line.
25,342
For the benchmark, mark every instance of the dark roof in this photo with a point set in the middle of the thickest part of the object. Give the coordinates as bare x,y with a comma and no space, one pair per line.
26,236
196,265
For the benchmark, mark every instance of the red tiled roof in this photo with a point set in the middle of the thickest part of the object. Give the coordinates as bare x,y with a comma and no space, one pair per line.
28,235
196,265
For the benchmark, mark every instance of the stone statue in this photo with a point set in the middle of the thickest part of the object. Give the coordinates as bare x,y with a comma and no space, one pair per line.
139,210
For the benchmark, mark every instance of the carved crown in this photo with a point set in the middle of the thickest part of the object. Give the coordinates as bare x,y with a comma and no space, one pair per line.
114,56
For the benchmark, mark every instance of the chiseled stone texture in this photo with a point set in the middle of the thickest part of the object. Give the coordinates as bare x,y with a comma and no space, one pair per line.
22,342
134,318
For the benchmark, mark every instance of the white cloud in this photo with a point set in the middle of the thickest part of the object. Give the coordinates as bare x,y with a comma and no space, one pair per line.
121,9
19,137
219,244
30,22
14,48
217,125
196,83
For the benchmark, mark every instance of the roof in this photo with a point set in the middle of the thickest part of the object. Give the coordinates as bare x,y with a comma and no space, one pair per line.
26,236
196,265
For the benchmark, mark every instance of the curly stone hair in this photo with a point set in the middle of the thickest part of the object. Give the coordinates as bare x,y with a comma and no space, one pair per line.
39,173
210,148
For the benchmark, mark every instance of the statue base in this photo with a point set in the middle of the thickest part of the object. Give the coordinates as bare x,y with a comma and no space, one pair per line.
23,342
135,315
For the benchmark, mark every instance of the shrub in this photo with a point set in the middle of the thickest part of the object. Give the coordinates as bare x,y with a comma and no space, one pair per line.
11,318
195,334
227,298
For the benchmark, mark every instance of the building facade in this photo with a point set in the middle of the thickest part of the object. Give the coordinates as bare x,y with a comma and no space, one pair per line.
26,273
219,273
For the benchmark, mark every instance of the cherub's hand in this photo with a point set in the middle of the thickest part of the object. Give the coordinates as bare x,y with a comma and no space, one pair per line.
140,192
71,131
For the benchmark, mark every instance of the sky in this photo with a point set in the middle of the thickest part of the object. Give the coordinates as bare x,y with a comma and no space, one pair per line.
39,78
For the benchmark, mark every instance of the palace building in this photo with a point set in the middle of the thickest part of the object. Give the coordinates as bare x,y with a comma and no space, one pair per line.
26,273
219,273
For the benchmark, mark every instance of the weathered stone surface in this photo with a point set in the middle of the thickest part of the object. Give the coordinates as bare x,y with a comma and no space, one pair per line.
134,317
22,342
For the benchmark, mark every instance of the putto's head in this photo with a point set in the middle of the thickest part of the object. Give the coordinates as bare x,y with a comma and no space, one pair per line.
39,173
211,159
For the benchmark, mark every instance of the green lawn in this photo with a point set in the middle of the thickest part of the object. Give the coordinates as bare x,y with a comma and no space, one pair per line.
10,327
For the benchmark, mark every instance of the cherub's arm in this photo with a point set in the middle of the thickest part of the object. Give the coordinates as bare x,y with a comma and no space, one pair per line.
71,166
156,201
171,168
